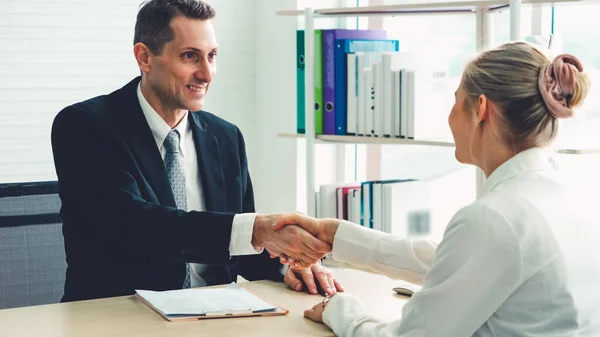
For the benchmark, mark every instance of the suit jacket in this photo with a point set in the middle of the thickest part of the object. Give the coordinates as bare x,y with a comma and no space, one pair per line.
121,227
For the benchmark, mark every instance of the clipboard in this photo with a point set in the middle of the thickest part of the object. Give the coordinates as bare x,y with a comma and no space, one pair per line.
276,311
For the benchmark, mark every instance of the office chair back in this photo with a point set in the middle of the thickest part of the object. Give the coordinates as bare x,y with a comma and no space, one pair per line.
32,253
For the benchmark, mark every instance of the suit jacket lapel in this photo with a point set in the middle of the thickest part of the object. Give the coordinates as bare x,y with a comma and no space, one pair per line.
209,164
143,145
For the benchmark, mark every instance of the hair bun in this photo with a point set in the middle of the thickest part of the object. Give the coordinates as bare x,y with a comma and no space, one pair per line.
558,83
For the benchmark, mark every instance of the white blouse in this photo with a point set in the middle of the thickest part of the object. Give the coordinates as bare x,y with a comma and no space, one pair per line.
522,260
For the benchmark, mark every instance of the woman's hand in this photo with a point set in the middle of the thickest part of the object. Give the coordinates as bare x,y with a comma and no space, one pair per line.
316,313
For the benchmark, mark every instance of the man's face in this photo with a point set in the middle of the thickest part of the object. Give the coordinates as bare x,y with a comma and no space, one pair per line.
181,75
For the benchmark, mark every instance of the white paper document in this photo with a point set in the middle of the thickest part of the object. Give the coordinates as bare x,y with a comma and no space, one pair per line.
205,301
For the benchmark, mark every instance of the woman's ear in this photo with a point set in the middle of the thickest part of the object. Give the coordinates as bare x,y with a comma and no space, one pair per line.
483,110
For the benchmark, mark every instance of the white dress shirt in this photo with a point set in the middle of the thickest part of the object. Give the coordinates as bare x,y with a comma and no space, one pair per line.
241,231
522,260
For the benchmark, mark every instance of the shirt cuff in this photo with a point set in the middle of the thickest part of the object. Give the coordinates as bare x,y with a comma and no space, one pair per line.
341,310
241,235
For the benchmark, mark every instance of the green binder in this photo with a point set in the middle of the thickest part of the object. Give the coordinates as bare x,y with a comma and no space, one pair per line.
318,82
300,81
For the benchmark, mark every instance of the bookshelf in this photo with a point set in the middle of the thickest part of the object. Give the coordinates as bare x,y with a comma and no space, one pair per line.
478,8
420,8
335,139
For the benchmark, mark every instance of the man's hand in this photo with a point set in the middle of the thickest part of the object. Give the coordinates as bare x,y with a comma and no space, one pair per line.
304,278
323,229
291,241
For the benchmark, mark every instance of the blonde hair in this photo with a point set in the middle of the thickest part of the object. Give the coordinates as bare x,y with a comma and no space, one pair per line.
528,91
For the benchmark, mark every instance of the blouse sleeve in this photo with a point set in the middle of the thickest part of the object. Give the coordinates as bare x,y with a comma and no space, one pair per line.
385,254
476,268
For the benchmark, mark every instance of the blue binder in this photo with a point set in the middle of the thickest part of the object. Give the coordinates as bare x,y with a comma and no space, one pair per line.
350,46
366,188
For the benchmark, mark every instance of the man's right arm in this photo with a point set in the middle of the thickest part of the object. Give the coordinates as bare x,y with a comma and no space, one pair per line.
98,189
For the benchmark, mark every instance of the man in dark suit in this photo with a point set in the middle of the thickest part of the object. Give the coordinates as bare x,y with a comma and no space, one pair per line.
155,192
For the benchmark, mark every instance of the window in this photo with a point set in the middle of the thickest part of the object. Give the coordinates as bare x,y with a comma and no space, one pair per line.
501,24
576,28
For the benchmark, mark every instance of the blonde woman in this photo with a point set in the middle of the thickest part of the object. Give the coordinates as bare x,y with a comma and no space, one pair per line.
519,261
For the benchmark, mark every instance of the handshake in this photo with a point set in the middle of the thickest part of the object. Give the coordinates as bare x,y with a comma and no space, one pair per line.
297,239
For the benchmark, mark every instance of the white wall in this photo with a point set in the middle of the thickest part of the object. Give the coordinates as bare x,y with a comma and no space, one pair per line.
52,54
232,92
55,53
273,164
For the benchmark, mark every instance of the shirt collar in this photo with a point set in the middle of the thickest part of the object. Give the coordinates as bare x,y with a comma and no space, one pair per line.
534,159
160,129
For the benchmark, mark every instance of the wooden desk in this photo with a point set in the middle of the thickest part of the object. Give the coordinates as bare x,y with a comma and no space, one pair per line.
127,317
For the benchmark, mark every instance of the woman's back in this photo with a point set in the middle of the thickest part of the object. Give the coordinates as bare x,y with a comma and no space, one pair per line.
519,261
557,293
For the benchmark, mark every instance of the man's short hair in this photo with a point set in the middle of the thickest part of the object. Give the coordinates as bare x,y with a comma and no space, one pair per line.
152,26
